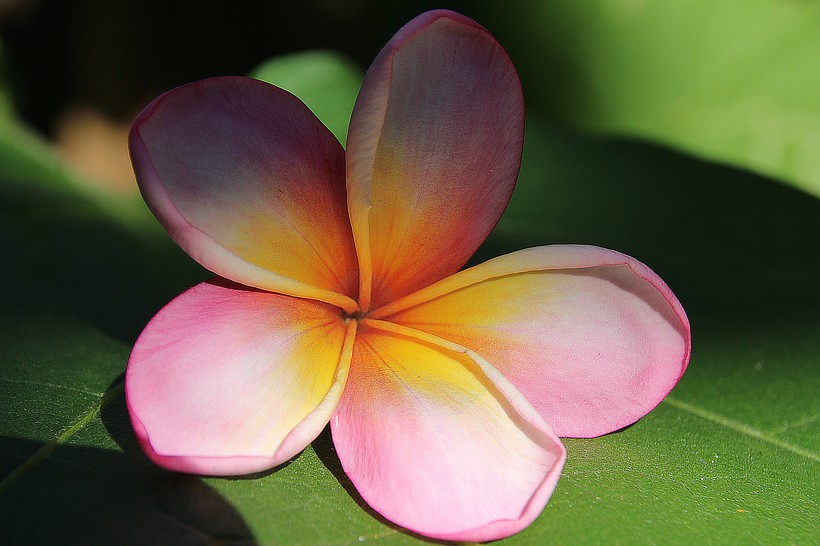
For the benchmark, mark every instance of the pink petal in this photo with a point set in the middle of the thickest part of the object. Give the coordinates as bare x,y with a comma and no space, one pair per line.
438,442
592,338
433,153
231,380
247,180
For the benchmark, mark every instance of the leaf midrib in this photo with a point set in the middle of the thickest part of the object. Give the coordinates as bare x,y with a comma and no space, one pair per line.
746,429
76,426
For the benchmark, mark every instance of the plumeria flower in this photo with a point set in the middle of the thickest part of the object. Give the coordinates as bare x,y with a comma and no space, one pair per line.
339,297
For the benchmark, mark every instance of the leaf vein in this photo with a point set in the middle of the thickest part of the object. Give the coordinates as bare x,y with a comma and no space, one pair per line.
50,385
60,438
800,423
742,428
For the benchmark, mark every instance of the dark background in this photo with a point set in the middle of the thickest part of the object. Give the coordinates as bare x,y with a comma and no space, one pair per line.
115,56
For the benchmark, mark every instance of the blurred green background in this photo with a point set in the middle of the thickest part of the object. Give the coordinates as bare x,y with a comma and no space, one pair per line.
683,132
734,81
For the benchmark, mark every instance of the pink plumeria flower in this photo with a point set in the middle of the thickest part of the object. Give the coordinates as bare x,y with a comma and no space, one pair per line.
341,300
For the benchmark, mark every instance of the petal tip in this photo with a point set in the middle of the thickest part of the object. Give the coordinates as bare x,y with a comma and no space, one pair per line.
205,466
504,528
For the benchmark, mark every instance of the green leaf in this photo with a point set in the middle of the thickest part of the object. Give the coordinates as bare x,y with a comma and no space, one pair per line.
731,457
735,81
326,81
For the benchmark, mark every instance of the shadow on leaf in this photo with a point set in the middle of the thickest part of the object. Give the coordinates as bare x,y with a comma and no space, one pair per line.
85,495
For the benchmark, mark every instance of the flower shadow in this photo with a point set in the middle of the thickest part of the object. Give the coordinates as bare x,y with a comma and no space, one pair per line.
87,495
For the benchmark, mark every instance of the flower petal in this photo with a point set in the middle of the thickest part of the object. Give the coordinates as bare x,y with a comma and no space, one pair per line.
592,338
230,380
438,442
247,180
433,153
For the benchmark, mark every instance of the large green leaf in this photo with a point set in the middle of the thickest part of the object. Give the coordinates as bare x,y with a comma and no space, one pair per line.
732,456
735,80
